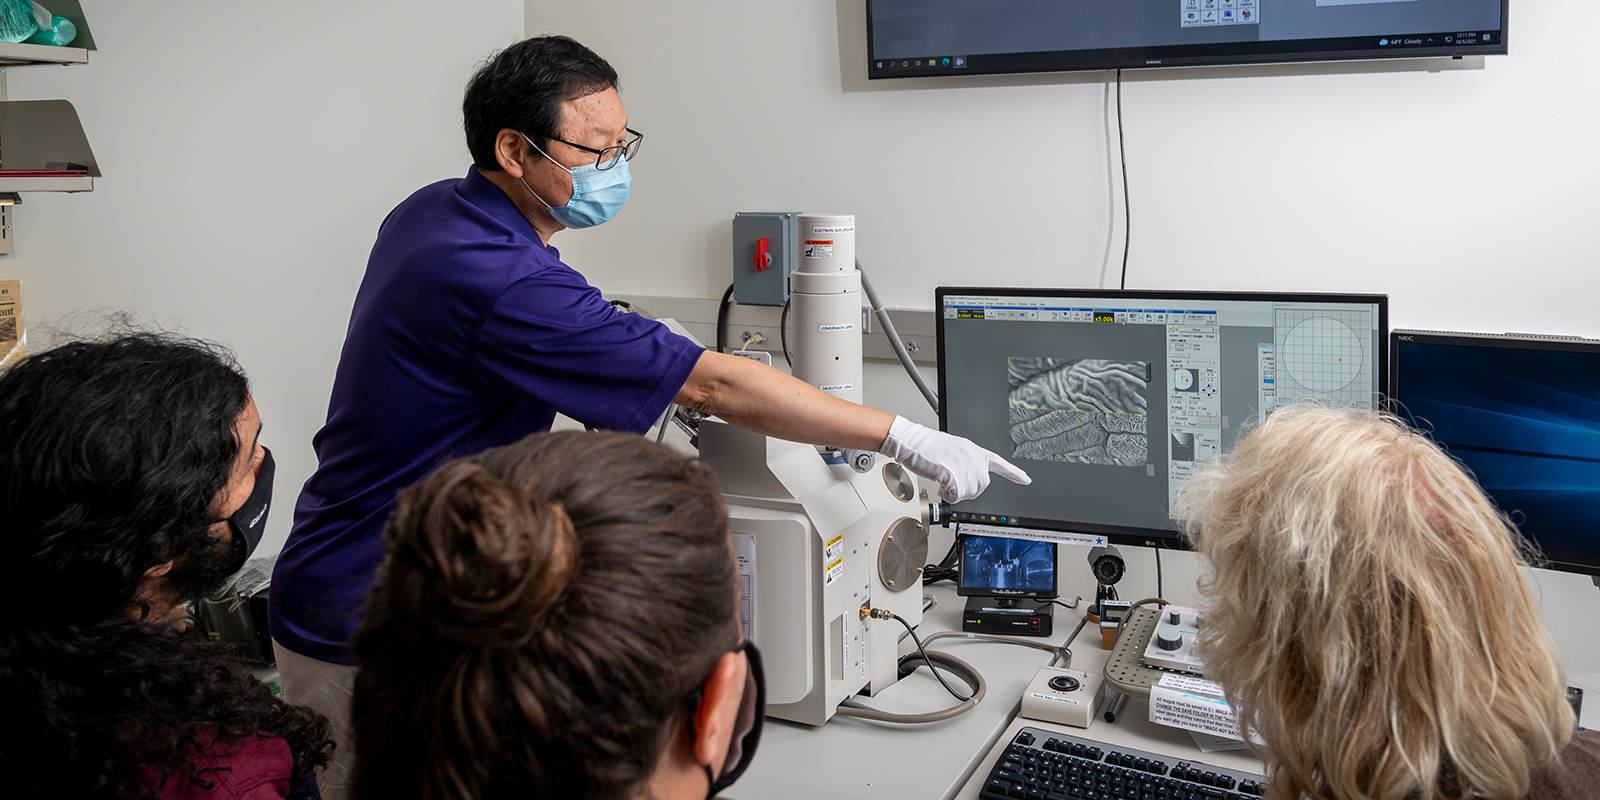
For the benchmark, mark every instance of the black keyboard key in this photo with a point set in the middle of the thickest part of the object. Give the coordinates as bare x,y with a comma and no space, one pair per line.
1225,782
1024,738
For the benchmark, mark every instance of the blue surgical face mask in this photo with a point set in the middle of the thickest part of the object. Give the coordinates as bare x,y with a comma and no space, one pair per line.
597,194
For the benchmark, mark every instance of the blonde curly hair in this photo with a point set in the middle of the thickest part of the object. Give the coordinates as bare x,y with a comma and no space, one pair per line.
1368,617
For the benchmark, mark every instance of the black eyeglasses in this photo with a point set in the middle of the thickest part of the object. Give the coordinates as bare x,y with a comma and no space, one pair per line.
608,158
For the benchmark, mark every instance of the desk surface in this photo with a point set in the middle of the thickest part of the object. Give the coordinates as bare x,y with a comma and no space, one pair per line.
853,758
856,758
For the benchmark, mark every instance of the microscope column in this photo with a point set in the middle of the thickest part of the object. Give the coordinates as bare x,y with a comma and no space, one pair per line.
825,290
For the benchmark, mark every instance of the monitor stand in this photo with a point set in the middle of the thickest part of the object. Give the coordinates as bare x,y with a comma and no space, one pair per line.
1008,616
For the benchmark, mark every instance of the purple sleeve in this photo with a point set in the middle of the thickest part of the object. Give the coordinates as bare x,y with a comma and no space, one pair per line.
552,337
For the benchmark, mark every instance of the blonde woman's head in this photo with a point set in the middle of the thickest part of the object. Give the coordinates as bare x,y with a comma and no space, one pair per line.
1368,617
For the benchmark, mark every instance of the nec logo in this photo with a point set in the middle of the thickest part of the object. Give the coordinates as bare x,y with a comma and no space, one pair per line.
1407,338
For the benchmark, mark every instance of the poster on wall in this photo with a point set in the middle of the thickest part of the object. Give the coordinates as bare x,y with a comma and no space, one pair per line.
11,334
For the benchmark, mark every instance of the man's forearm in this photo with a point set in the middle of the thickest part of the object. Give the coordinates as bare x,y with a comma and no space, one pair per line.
761,399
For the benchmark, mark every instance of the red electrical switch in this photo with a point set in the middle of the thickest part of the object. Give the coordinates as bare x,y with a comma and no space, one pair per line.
762,259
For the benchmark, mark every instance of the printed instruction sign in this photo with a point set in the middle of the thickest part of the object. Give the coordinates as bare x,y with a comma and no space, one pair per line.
819,248
1194,704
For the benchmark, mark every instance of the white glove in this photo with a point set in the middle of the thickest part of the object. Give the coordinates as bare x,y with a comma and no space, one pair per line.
961,467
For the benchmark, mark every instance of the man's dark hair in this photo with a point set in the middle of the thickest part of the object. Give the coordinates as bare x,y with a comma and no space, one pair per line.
522,88
544,613
112,454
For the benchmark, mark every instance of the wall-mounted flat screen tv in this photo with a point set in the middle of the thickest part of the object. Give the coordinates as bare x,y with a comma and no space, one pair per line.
921,38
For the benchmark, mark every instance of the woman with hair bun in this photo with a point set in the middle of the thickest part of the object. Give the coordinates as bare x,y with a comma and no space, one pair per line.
1370,621
557,618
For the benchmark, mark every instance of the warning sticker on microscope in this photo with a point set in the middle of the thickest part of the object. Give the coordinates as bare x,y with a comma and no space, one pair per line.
819,248
835,571
834,550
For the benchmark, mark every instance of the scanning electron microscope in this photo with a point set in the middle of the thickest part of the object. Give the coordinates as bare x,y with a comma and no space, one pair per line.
822,536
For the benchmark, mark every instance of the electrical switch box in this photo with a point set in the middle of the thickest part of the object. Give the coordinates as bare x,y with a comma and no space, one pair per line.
763,256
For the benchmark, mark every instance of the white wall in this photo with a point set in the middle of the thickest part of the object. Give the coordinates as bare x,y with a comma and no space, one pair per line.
1466,193
250,151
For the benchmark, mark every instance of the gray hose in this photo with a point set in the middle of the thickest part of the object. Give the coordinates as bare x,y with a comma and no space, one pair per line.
851,708
895,343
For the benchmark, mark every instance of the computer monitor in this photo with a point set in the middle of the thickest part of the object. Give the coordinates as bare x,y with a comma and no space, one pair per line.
1523,414
998,566
1112,400
949,38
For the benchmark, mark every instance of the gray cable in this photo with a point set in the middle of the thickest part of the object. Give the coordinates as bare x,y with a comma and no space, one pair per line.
1055,650
672,408
851,708
895,343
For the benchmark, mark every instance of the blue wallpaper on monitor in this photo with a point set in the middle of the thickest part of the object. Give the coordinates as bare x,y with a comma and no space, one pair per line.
1527,423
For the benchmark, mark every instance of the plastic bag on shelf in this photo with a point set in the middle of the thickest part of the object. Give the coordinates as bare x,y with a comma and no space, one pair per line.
17,21
60,33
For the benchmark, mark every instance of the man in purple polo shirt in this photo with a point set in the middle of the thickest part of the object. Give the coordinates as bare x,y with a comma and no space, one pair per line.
469,332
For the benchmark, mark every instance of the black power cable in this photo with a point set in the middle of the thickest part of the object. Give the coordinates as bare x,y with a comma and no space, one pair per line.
783,332
929,661
1122,148
722,320
947,569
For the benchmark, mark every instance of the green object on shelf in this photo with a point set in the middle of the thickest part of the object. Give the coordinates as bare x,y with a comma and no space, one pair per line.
60,34
16,20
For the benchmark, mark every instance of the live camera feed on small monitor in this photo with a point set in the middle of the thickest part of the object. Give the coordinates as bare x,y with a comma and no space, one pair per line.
1114,403
1009,566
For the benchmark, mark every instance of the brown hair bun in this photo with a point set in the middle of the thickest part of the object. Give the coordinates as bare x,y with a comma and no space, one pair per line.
484,558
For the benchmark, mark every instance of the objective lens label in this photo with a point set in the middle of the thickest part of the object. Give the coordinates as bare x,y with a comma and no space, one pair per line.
847,326
819,248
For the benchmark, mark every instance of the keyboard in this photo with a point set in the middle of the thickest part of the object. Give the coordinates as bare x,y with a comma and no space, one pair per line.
1040,765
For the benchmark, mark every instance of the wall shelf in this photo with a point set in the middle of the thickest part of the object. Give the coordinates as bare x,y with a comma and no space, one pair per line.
16,54
34,133
74,183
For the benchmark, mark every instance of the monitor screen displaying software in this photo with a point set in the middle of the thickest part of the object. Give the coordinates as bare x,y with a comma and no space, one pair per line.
1113,400
918,38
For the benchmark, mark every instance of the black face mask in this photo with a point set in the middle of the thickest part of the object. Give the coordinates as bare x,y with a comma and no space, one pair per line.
747,726
250,521
209,569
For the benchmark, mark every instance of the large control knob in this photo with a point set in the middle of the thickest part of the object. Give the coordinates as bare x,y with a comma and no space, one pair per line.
1165,642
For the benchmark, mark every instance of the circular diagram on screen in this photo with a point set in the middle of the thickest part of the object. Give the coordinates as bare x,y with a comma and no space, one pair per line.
1183,380
1323,354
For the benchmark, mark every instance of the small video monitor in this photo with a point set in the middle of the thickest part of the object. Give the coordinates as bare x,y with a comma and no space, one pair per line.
999,566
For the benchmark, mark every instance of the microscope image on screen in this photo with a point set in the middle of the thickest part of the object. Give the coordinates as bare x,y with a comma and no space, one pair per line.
1082,410
1007,566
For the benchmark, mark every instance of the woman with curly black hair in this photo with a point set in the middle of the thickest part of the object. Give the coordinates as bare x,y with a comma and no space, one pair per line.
132,479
